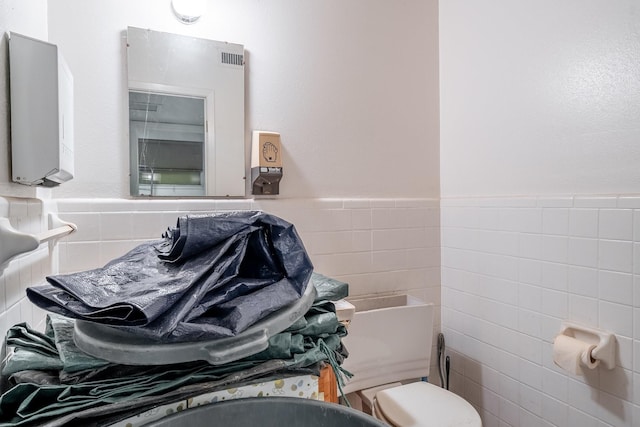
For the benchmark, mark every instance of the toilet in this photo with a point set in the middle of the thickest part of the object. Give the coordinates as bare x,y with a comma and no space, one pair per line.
390,343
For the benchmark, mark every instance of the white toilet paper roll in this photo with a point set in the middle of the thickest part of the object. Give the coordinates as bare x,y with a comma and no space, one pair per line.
572,354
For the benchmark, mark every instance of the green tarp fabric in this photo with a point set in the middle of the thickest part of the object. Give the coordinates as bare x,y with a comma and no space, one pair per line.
327,288
72,359
85,383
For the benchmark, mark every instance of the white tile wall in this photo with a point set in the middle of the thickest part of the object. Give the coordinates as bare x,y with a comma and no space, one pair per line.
512,270
376,245
573,258
27,216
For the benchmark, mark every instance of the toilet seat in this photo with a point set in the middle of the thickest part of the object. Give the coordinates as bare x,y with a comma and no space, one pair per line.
421,404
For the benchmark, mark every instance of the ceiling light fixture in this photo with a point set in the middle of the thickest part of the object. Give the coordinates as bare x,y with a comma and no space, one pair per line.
188,11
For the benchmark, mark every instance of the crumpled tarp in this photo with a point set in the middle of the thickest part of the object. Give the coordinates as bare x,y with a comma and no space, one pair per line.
212,276
52,351
108,389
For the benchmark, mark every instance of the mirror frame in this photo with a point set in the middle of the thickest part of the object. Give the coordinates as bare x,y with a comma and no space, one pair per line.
174,64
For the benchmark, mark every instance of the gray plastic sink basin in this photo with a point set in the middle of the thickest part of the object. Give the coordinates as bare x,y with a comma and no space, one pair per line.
270,412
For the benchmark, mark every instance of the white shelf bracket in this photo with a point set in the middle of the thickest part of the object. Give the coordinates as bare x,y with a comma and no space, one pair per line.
14,242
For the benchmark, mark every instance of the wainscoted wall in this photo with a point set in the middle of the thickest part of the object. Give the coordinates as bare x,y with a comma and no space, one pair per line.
512,270
378,246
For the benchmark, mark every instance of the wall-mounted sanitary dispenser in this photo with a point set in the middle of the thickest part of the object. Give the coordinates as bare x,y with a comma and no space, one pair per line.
266,163
41,113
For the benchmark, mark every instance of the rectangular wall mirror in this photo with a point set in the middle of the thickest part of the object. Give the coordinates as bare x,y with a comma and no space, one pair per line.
186,115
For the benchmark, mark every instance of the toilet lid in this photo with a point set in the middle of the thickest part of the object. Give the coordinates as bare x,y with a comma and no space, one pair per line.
423,404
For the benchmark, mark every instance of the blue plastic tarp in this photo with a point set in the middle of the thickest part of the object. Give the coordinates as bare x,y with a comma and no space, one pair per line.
211,276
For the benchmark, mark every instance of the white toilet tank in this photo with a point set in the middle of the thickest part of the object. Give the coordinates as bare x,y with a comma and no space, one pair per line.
389,339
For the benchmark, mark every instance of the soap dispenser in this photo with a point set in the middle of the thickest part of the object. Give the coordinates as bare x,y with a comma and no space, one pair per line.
266,163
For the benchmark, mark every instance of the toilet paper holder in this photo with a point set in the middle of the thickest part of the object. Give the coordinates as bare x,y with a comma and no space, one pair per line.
604,341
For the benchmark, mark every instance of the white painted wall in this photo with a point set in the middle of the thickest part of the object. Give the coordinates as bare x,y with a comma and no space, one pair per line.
540,105
351,86
27,17
539,97
356,77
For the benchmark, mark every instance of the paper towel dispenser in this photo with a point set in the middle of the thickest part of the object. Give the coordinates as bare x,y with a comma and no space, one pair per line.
41,89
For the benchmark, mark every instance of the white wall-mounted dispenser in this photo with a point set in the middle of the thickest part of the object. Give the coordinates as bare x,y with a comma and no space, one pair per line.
266,163
41,113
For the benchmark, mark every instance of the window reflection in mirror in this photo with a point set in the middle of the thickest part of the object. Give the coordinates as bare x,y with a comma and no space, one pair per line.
186,115
169,132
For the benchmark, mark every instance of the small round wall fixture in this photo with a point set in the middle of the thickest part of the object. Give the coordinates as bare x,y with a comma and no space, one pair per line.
188,11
